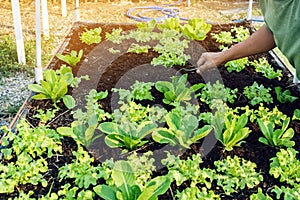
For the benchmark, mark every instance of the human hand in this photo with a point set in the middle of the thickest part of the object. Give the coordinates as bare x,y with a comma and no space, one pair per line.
209,60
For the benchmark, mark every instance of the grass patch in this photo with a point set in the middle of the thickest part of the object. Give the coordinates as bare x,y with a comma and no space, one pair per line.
9,57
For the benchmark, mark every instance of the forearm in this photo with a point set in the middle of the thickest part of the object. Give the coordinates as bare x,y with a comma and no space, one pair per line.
259,42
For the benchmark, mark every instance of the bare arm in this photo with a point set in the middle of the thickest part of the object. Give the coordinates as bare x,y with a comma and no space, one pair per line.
259,42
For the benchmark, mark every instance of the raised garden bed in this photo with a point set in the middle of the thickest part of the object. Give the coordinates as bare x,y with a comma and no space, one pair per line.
107,70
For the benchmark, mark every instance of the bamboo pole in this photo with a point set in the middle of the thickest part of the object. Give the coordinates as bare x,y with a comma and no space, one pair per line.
77,12
249,12
38,55
18,31
45,21
64,8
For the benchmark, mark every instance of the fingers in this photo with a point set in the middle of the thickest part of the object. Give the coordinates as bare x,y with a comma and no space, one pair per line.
206,62
204,67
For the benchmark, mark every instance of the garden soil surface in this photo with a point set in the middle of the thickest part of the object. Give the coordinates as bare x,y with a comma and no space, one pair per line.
114,11
126,62
106,78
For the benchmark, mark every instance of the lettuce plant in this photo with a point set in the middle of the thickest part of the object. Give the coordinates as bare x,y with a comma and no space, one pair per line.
284,96
276,137
296,114
192,193
260,195
115,36
138,91
286,167
83,127
257,93
124,185
25,155
81,170
217,91
91,36
146,26
229,128
177,90
126,134
196,29
171,50
45,116
182,130
265,114
35,142
139,35
263,66
133,111
286,192
25,171
224,37
236,173
240,33
235,35
130,125
138,49
172,23
237,65
143,167
72,59
188,170
55,86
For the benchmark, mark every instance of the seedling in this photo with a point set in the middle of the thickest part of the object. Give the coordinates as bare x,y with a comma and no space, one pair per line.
72,59
91,36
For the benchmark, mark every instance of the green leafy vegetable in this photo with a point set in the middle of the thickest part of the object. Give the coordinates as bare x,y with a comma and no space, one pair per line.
286,166
216,91
115,36
91,36
284,96
171,23
296,114
146,26
129,135
55,86
237,65
139,91
72,59
276,137
177,90
263,66
196,29
257,93
236,173
240,33
81,170
171,50
182,130
85,124
193,193
124,185
135,48
189,169
233,126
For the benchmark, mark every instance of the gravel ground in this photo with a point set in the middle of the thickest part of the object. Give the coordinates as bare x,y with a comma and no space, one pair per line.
13,90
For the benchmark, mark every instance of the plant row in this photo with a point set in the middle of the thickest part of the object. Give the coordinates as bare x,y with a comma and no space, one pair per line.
25,163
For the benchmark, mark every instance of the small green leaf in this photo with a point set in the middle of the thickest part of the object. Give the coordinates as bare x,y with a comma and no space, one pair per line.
69,101
66,131
155,187
105,192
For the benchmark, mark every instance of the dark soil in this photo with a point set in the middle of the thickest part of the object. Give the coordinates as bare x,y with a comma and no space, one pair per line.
108,77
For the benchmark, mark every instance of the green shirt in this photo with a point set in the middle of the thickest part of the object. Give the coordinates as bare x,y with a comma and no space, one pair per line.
282,17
